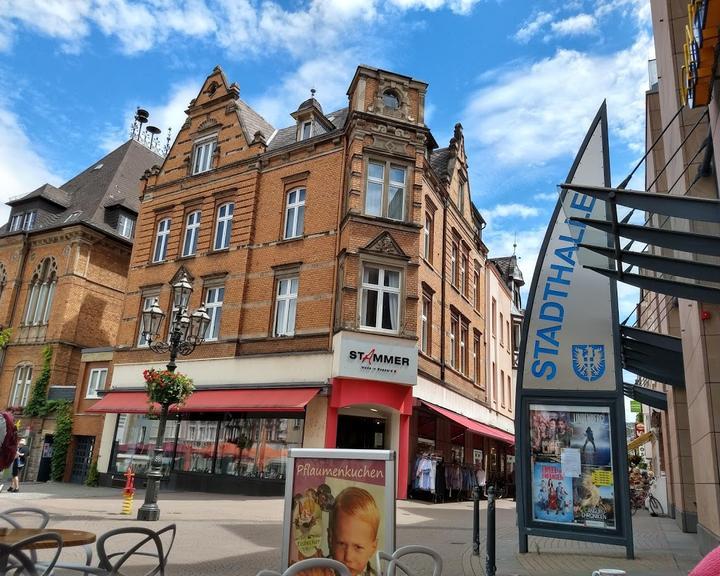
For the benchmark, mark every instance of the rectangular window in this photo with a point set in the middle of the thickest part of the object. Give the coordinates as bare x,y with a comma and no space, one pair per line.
213,304
29,220
295,213
96,382
476,289
454,264
463,348
426,324
477,362
385,190
493,314
286,306
380,299
16,222
461,198
428,238
224,226
494,384
192,229
453,342
502,329
161,240
509,392
502,387
147,303
463,274
306,130
21,388
202,161
125,226
507,334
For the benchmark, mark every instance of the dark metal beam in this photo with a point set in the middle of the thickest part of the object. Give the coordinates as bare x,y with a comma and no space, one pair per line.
643,370
689,207
683,241
659,340
650,350
662,264
653,398
671,287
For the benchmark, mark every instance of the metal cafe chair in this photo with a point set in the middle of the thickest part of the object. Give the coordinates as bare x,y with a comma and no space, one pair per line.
394,564
25,517
15,560
310,564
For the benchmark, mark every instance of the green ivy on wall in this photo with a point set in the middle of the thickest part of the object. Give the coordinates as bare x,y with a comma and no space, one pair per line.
63,435
38,397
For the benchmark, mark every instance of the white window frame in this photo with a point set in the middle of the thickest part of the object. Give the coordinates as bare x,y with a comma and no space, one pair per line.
502,388
162,236
96,382
125,226
461,197
29,219
192,231
464,333
306,130
40,295
16,222
286,297
214,297
453,263
476,358
425,323
502,329
147,302
21,385
223,226
463,273
203,152
454,325
386,184
294,223
476,289
427,239
382,290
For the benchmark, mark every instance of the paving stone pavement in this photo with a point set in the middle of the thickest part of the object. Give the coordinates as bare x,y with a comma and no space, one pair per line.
239,535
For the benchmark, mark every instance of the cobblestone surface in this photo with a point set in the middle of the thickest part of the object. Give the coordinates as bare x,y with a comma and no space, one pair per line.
238,536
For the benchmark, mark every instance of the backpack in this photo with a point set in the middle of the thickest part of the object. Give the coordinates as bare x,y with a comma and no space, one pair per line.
8,447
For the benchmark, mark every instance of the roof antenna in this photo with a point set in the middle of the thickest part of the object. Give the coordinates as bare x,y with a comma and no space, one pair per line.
312,92
515,244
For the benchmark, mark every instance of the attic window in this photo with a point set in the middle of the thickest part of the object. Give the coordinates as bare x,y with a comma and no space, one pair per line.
97,167
73,215
306,130
391,99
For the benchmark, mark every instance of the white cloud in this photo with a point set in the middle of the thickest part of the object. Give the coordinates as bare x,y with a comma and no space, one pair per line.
575,25
515,210
532,27
538,112
241,27
22,169
546,196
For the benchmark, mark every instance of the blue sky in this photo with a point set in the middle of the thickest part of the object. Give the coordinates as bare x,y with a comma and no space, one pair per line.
525,79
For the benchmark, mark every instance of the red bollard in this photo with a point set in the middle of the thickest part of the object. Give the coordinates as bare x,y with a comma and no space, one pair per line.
128,491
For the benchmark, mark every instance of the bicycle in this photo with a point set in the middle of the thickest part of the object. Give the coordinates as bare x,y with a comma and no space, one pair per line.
654,505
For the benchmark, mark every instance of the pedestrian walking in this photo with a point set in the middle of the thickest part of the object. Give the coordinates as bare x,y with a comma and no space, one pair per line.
18,465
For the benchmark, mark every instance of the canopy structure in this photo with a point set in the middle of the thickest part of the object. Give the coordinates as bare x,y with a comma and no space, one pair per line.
473,425
640,440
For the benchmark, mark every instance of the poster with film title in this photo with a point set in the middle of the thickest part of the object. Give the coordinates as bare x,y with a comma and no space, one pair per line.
339,509
571,453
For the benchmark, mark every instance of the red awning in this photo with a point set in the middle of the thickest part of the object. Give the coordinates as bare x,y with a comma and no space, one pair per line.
473,425
245,400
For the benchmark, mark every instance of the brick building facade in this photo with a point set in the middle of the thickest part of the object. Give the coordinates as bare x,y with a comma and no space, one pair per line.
342,264
64,256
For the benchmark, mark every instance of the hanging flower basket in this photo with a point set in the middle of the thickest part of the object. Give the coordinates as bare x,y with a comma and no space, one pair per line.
166,388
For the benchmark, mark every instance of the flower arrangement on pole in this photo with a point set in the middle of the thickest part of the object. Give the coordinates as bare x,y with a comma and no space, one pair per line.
166,388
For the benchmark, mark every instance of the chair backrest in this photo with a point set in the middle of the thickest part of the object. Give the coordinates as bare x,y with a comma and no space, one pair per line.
118,547
25,517
311,563
394,564
16,560
383,559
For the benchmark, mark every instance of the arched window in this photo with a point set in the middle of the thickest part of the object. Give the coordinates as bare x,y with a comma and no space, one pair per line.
21,385
40,295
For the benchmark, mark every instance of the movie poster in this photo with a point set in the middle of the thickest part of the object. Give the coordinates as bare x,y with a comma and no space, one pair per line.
571,455
339,509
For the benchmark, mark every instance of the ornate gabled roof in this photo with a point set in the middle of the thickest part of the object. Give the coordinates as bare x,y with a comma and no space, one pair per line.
509,268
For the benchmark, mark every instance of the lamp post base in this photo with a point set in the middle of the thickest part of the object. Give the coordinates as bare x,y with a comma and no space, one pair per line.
149,513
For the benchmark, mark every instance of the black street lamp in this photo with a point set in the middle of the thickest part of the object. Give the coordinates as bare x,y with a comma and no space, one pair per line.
186,332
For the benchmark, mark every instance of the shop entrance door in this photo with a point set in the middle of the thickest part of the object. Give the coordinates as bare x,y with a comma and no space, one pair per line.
360,433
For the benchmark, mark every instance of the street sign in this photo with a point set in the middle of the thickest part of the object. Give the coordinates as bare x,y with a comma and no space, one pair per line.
635,406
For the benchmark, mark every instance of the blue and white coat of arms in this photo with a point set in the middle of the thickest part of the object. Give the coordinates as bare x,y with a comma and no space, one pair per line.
588,361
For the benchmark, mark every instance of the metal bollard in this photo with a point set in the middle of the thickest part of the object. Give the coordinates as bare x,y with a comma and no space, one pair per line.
490,539
476,520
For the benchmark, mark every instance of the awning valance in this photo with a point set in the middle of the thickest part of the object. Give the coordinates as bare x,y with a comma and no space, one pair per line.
652,398
472,425
240,400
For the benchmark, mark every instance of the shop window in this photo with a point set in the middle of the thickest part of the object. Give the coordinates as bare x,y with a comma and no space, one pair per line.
380,299
135,440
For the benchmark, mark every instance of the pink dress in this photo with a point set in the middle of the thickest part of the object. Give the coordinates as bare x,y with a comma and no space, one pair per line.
708,566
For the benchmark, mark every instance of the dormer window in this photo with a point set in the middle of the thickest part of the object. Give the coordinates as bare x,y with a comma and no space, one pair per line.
391,99
23,221
125,226
202,157
306,130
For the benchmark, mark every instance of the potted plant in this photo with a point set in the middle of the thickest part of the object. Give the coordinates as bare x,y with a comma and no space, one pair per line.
167,388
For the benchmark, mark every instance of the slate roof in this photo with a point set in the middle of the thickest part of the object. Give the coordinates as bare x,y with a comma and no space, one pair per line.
439,161
509,268
252,122
113,180
286,136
